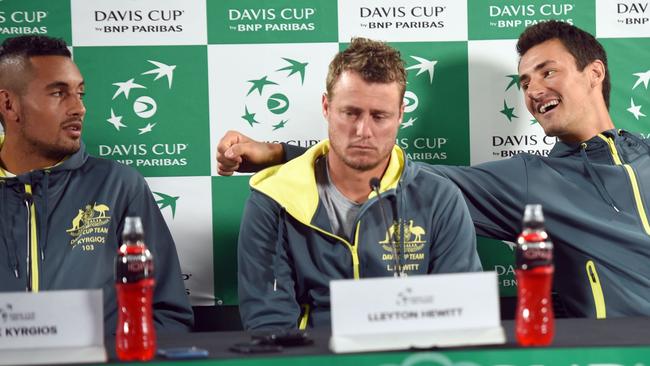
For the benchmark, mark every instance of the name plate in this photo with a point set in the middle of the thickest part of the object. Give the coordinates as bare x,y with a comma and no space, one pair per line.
441,310
51,326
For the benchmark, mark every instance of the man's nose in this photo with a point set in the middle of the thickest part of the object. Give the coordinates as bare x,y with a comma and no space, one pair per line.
363,126
77,106
534,90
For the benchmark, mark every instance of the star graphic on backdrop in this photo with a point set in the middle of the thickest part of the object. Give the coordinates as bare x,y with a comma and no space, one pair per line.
508,112
167,201
162,70
259,84
635,110
116,121
249,117
295,67
280,125
514,80
643,77
146,129
424,66
510,245
533,121
409,123
125,87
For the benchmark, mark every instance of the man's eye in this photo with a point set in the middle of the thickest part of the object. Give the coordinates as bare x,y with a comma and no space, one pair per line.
549,73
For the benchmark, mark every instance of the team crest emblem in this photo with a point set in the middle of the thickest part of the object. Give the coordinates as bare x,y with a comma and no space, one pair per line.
414,237
90,225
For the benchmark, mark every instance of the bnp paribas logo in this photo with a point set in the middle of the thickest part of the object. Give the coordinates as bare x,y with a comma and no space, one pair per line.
268,104
639,94
426,68
166,201
511,94
139,115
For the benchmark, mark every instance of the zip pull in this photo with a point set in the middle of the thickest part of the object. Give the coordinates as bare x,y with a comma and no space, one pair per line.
28,198
16,272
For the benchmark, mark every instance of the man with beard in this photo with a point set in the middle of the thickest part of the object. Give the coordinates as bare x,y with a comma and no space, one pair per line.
317,218
594,185
61,210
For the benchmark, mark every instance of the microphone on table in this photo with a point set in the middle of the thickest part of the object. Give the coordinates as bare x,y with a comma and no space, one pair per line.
397,270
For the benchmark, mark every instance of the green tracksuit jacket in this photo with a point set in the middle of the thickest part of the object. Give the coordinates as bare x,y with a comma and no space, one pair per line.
76,211
287,253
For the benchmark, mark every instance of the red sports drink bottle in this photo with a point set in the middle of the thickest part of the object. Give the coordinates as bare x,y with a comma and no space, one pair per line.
535,322
134,282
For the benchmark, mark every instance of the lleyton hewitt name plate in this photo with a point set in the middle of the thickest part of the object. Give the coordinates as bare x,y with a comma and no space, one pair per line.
419,311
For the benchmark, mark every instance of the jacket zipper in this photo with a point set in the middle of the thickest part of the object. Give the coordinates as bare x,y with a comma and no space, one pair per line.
32,242
304,318
633,182
596,290
353,248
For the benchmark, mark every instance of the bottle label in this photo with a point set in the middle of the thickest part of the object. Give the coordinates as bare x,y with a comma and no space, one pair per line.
133,268
537,254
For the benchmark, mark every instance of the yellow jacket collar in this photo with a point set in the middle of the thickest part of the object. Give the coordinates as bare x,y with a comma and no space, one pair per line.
293,185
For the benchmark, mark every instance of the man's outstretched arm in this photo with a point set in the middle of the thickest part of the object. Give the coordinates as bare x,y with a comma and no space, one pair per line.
239,153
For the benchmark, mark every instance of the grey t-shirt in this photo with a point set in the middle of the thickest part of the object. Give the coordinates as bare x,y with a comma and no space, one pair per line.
341,211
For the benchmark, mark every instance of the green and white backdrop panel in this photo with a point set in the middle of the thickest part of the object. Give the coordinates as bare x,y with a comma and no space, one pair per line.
166,79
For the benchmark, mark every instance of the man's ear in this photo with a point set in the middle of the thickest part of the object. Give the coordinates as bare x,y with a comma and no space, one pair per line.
596,71
9,106
325,105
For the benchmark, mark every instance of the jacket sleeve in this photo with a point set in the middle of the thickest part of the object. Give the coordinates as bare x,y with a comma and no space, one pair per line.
267,298
291,152
454,240
495,193
171,306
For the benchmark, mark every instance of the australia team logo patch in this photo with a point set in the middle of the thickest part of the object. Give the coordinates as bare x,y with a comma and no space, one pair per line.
414,237
90,225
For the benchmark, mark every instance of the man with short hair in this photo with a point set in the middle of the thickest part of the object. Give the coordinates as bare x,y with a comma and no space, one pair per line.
594,185
317,218
62,211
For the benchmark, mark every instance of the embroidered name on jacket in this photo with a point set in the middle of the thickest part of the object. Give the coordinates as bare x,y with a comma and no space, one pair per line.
90,226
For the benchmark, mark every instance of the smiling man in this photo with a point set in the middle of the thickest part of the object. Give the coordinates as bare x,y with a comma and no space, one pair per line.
316,218
62,211
594,185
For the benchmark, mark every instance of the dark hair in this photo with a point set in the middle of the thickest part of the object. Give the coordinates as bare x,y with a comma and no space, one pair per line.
581,45
375,61
29,46
14,58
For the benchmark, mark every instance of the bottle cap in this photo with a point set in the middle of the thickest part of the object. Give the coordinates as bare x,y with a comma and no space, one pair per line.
132,227
533,213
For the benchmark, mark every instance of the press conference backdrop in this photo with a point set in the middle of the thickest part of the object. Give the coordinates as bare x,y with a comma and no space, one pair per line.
166,78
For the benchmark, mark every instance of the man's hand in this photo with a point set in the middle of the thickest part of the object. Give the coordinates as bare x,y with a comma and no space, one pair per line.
239,153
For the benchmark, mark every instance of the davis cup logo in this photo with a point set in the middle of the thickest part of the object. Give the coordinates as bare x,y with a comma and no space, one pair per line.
643,78
267,101
411,100
141,117
430,359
